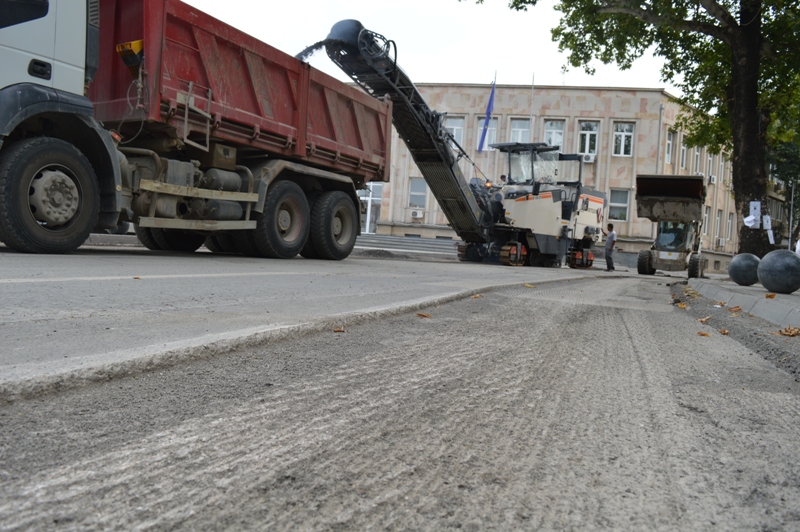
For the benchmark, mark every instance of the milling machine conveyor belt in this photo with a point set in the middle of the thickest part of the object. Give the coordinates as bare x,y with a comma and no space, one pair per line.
367,58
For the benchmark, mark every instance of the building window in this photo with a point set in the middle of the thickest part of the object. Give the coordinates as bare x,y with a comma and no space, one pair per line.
719,224
588,138
618,205
455,126
520,130
417,193
491,134
730,225
670,137
697,160
554,132
623,140
706,216
710,164
775,209
716,265
722,168
683,155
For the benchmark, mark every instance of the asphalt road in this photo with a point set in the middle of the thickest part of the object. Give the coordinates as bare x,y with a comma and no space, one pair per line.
104,311
579,405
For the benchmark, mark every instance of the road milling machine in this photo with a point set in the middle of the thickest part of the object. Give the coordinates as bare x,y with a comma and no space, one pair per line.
675,204
534,219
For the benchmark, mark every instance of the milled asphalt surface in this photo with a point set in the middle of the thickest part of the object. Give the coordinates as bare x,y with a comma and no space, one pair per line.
106,311
580,405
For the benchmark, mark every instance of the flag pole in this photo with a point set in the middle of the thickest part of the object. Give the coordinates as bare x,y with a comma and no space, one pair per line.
530,117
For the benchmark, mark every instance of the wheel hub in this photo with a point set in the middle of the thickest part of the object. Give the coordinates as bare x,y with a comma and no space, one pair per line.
284,220
337,226
53,198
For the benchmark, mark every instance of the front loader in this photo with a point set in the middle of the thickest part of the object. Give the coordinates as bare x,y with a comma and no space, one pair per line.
675,204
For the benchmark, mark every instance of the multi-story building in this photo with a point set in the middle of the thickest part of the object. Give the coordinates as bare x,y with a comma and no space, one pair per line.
625,131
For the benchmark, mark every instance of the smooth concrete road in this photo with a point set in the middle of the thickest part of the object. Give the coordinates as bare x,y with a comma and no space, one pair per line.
100,306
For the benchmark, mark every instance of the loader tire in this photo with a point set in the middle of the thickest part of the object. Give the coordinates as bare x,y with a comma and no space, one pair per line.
644,263
49,196
695,266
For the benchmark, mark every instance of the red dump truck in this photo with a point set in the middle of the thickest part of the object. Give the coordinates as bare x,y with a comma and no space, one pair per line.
152,112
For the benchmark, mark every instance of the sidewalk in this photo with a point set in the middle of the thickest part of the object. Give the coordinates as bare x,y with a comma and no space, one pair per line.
784,310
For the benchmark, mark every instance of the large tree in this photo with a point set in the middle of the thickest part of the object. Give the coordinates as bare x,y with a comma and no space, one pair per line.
735,61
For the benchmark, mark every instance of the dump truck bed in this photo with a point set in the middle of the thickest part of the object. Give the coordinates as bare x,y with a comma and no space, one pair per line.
240,91
678,198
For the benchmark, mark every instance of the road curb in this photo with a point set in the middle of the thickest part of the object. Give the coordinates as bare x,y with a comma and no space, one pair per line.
34,387
777,311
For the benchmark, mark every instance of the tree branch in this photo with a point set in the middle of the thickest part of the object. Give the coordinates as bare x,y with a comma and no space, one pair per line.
655,20
720,13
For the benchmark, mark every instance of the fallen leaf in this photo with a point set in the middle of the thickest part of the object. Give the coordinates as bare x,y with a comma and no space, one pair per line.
704,320
529,285
682,306
339,330
790,331
701,333
137,278
721,303
737,308
477,296
771,296
421,315
723,332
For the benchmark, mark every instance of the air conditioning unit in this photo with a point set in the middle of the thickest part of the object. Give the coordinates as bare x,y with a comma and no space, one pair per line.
588,158
720,242
712,179
417,214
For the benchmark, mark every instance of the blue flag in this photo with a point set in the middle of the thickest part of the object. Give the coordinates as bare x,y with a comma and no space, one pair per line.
487,120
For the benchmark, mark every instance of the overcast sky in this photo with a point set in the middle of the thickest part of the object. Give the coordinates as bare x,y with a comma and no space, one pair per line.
437,40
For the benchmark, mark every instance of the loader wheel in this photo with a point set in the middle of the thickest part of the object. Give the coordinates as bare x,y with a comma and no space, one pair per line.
145,237
49,196
644,263
695,266
177,240
334,226
283,227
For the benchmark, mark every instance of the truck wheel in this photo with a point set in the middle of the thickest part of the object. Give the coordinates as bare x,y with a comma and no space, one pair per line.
225,241
212,245
644,263
145,237
695,266
49,197
177,240
334,225
308,251
282,229
245,244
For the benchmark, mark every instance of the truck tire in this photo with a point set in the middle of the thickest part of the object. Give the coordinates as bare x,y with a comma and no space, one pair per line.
282,229
212,245
245,244
644,263
177,240
334,226
145,237
308,251
49,196
695,266
225,241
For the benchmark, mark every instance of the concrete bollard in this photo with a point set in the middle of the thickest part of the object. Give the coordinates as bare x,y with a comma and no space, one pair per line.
779,271
743,269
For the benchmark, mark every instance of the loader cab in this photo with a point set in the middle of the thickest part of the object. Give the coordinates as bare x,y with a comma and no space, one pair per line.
674,236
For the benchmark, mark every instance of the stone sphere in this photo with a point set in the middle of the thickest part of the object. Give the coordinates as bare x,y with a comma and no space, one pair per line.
779,271
743,269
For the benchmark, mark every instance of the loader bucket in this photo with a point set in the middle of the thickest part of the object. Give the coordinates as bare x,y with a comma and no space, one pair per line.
678,198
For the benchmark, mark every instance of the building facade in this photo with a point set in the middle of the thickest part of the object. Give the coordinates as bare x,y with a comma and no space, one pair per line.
625,131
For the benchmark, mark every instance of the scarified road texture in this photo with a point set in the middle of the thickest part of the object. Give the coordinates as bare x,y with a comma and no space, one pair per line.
572,406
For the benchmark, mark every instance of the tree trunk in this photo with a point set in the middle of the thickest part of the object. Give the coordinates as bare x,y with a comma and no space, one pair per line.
749,126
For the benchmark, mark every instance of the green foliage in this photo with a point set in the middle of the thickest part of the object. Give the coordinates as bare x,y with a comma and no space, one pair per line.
695,40
785,161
